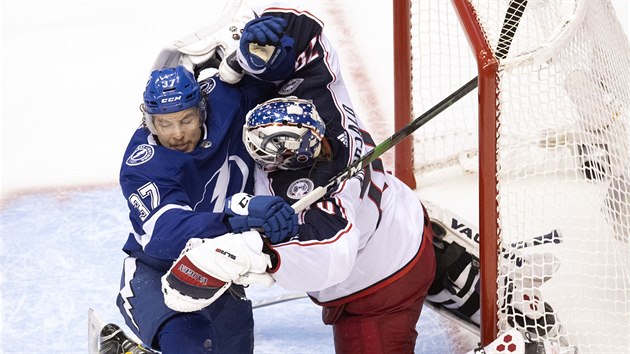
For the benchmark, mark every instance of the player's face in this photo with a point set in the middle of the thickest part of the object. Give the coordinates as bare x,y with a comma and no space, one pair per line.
180,130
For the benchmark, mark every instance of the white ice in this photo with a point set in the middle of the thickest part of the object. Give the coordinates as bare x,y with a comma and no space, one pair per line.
72,76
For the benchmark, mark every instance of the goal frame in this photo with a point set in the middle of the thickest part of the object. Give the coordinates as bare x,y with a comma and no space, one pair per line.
487,66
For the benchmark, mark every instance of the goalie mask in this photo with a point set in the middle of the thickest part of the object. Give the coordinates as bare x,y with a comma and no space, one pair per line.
171,90
284,133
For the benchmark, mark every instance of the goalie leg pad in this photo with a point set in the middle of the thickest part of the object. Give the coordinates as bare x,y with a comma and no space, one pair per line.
456,282
527,312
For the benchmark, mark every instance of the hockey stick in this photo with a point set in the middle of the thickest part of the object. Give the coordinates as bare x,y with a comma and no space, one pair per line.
278,300
381,148
95,324
510,24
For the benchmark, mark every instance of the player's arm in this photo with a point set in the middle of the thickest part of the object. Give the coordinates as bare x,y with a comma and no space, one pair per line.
324,251
265,51
163,218
275,45
321,256
206,47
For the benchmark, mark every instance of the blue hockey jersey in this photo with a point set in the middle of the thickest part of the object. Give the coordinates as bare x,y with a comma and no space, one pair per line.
175,196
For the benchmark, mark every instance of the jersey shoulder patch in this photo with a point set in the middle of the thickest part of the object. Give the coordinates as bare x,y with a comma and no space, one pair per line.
299,188
140,155
207,85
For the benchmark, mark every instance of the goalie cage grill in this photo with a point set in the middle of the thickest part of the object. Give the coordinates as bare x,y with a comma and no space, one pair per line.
555,153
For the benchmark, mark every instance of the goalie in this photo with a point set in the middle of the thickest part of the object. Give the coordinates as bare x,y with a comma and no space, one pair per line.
369,273
352,254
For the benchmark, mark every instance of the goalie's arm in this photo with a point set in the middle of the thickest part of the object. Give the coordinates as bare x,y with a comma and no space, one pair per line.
206,47
171,57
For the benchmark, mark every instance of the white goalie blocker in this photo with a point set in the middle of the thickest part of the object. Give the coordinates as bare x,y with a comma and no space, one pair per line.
208,46
456,285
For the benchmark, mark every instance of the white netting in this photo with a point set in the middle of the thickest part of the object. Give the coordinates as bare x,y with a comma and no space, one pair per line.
563,155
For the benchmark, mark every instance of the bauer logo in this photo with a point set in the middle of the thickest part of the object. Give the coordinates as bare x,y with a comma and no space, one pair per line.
140,155
290,86
225,253
300,188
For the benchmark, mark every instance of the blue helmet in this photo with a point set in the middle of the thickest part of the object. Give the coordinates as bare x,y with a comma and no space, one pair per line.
171,90
284,133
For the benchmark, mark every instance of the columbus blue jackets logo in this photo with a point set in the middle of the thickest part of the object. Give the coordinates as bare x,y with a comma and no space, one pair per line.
299,188
140,155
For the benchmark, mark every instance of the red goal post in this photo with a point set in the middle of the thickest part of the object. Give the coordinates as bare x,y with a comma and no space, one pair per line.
487,68
547,138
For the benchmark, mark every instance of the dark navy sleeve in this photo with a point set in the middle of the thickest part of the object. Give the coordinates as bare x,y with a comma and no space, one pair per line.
300,42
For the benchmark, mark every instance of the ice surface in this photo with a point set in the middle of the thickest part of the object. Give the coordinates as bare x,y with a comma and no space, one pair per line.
61,255
73,73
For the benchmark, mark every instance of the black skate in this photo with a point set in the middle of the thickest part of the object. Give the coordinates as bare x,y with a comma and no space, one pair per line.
115,341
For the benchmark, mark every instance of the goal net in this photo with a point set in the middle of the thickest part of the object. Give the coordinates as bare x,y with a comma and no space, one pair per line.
547,135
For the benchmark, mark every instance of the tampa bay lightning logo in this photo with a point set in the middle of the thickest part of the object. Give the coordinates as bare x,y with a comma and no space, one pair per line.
140,155
299,188
207,85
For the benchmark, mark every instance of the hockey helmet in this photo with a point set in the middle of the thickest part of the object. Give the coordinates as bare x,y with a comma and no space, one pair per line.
171,90
284,133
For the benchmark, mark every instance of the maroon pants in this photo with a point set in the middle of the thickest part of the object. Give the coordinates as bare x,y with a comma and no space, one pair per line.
385,321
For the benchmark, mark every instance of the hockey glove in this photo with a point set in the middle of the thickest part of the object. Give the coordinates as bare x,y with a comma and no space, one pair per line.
207,269
272,214
266,30
264,50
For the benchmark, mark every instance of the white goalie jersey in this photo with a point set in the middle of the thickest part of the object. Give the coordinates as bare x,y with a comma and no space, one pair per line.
361,237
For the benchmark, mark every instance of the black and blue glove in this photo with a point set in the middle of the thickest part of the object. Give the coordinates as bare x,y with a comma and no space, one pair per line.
266,30
272,214
265,50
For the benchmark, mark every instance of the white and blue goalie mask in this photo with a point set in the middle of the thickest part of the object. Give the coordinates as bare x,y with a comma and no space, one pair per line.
284,133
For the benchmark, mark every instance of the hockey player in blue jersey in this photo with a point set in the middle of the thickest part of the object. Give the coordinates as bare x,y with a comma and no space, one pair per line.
178,170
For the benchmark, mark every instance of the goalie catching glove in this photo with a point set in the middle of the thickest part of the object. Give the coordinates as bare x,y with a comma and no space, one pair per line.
208,267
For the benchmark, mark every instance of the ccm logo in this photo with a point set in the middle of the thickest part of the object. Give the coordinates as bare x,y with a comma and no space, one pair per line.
171,99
